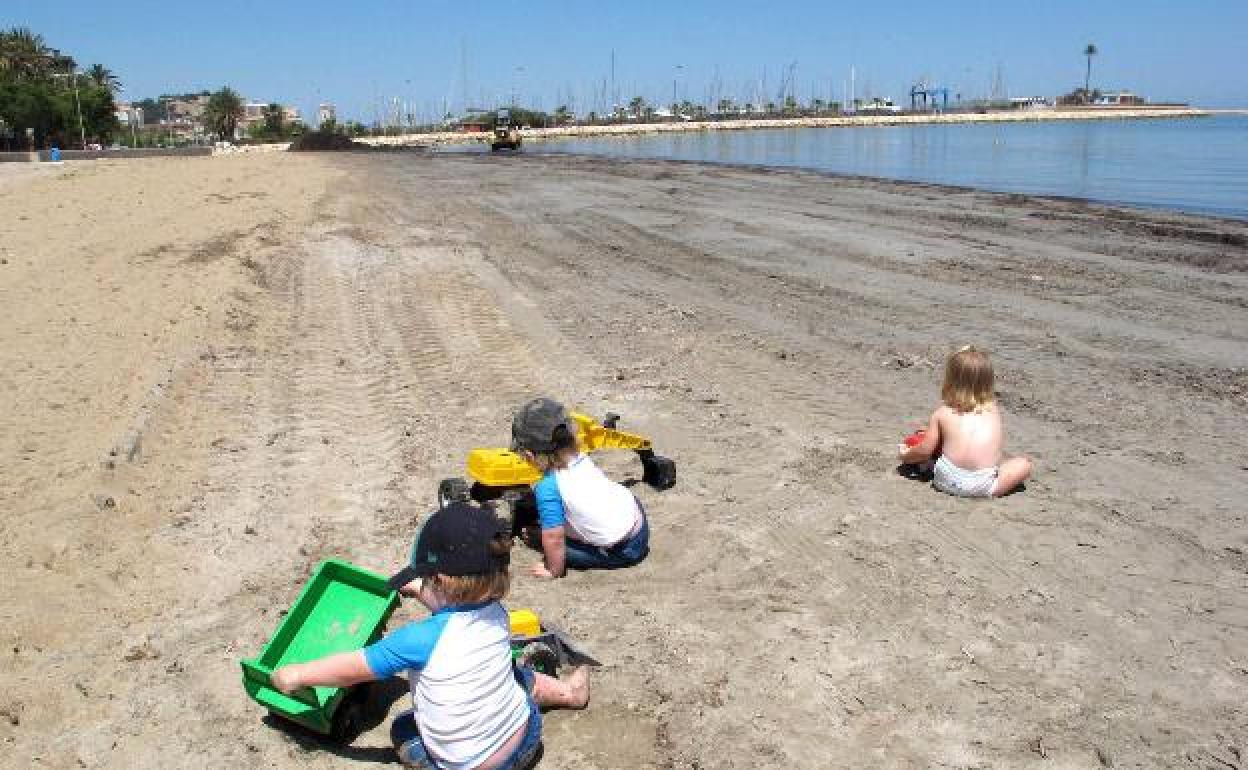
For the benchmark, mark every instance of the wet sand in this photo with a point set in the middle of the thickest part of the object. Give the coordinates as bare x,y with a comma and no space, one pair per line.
225,370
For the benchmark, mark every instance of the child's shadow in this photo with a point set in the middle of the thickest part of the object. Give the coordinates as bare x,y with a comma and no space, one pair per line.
916,472
369,706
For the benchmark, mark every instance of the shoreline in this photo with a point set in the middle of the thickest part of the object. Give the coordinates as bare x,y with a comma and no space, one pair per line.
912,185
855,121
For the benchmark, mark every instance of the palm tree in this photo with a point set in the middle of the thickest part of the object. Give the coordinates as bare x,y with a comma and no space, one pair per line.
223,111
637,105
23,53
1089,52
104,78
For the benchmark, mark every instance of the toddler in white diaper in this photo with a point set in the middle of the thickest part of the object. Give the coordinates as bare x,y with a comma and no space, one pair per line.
965,435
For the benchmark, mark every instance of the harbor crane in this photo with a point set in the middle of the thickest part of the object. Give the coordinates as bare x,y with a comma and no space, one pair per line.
921,91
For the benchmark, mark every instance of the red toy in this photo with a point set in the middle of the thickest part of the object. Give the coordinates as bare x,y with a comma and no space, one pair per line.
914,439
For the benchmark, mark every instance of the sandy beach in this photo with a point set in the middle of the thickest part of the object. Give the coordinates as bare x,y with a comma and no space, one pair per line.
220,371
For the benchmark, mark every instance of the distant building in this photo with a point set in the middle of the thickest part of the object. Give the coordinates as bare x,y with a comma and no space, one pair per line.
1119,99
186,110
253,113
326,113
878,106
129,115
1029,103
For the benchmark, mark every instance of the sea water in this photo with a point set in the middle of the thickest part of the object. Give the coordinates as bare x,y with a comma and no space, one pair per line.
1197,165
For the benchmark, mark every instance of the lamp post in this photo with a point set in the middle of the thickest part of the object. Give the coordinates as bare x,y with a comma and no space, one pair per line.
82,133
168,121
72,74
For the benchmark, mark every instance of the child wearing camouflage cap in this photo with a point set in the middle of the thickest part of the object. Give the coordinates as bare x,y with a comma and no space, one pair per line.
587,520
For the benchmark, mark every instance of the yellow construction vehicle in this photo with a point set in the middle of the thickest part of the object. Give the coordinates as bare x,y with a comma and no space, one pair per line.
503,474
506,136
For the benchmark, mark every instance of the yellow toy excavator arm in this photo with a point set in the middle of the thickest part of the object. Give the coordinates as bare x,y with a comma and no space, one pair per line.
505,468
593,436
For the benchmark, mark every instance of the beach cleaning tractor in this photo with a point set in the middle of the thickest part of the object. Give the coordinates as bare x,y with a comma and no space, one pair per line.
501,474
506,136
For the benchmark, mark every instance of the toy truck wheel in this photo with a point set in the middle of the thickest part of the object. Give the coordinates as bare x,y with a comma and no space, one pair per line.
348,721
658,471
523,513
453,491
481,493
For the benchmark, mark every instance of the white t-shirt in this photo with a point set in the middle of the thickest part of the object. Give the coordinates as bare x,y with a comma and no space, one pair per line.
593,508
467,700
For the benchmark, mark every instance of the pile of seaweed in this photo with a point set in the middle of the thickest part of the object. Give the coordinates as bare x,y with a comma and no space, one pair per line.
324,141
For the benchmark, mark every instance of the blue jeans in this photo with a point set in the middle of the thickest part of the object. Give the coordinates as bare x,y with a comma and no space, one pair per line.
632,551
412,752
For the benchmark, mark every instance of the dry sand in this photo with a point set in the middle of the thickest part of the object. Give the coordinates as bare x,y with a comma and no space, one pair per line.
220,371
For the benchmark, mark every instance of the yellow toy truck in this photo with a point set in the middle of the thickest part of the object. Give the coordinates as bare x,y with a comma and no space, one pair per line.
501,474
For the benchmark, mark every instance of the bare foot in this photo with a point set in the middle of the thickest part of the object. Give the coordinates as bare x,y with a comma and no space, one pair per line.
577,683
571,692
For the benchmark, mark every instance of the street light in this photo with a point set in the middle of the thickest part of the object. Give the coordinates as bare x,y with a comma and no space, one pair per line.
72,74
168,121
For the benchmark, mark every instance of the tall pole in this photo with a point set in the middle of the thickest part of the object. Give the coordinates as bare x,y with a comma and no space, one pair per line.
82,134
463,73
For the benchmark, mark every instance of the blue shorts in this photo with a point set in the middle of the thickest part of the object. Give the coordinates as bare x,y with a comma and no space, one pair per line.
412,752
632,551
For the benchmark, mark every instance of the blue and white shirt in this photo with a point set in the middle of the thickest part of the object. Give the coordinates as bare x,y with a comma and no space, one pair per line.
467,700
593,508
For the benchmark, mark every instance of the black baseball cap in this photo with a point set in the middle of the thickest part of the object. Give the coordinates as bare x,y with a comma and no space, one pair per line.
534,426
456,541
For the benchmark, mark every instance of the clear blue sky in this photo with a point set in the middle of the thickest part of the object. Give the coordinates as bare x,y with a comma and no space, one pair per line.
351,52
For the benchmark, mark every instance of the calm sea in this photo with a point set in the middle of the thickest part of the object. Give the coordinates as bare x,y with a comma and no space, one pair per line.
1194,164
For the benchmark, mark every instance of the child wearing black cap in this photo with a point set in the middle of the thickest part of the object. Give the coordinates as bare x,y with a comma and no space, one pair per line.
587,520
473,709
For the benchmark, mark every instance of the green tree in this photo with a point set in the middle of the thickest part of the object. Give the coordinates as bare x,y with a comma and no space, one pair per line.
23,54
1089,52
41,90
223,111
637,106
103,77
274,120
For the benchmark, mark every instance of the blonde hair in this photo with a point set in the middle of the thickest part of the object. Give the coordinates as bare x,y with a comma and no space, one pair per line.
487,587
968,380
